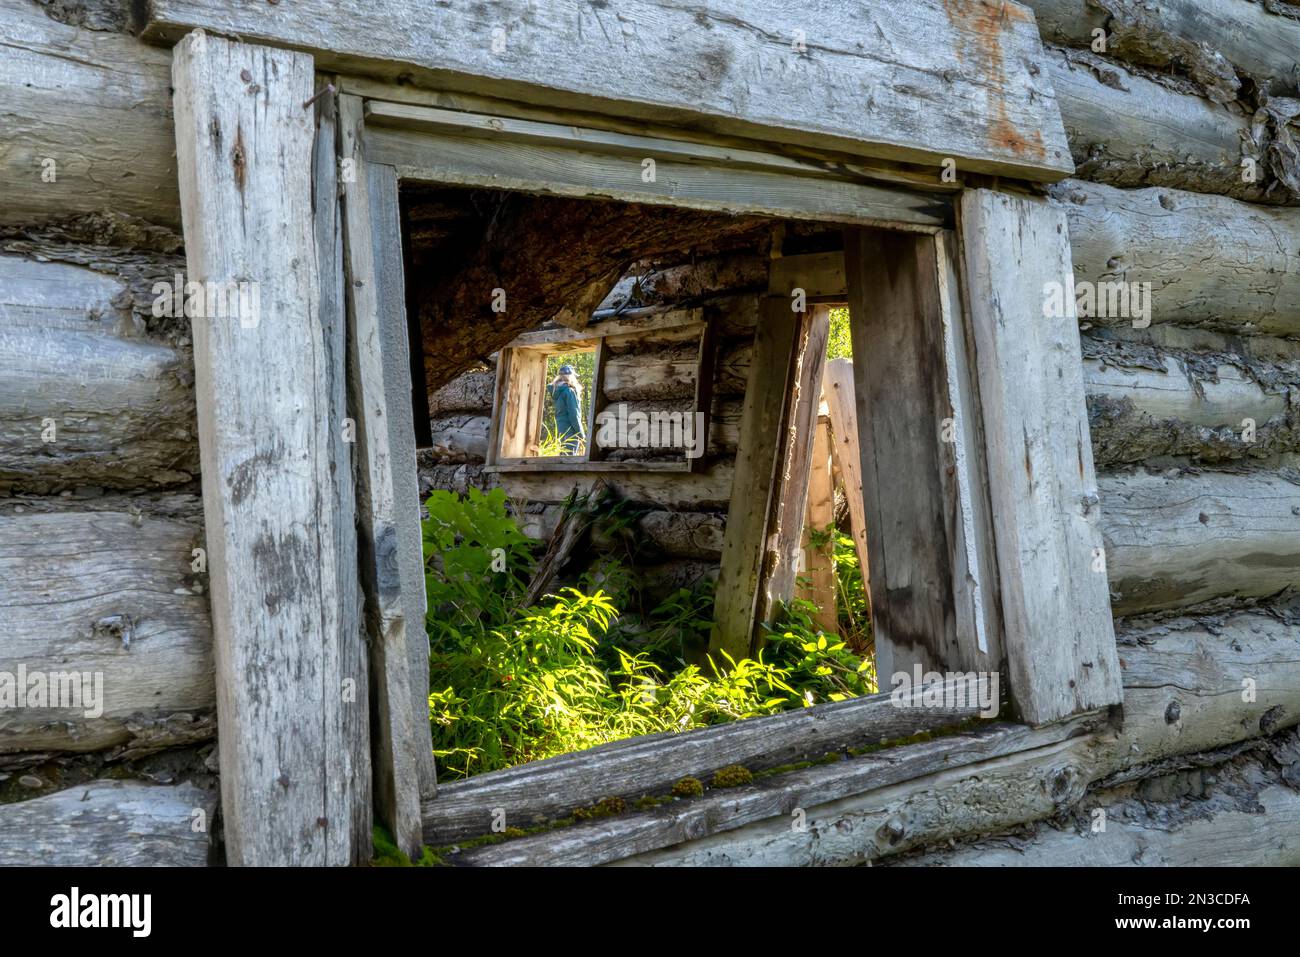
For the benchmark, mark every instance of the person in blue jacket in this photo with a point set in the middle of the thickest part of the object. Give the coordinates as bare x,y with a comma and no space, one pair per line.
566,392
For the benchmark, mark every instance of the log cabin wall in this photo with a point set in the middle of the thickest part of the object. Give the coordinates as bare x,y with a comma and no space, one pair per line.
1194,427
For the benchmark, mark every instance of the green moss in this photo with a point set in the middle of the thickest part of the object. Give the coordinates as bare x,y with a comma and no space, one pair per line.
733,775
688,787
388,854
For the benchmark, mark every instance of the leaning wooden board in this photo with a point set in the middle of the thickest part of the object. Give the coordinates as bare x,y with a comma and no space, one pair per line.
914,80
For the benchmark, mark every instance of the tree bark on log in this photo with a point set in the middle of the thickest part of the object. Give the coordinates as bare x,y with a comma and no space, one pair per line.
86,122
110,824
1210,260
86,397
112,591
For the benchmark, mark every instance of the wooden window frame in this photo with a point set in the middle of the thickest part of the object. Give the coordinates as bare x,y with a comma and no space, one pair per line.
429,144
596,338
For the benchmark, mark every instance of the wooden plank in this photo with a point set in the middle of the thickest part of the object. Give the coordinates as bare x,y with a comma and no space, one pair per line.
837,387
682,827
585,173
673,488
1059,635
702,409
544,790
265,446
391,289
347,714
944,80
799,431
819,275
110,824
596,452
107,588
901,400
964,478
394,740
819,563
626,324
122,404
753,496
523,402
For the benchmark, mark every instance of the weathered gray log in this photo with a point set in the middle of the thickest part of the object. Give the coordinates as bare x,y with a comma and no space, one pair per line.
980,61
1242,813
1144,402
674,490
1174,540
85,119
111,592
540,791
86,397
1127,130
1210,260
678,534
110,824
670,373
468,392
1209,40
1184,685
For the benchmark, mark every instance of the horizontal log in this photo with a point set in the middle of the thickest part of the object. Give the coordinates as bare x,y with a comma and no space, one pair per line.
1209,260
86,122
110,592
670,373
1127,130
677,534
1210,41
981,63
469,392
462,437
86,398
671,490
1249,816
1174,540
110,824
1145,402
544,790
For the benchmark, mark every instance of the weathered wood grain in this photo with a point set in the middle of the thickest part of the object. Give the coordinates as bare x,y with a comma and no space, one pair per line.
838,387
1211,41
729,66
755,492
111,592
1166,713
1209,260
1174,540
244,150
110,824
1059,635
395,738
96,104
116,405
544,790
671,490
818,555
900,399
1128,130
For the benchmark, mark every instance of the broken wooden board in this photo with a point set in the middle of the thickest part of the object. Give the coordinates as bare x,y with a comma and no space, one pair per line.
959,79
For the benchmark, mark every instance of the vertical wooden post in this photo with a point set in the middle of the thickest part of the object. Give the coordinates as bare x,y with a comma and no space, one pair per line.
819,560
837,386
902,402
1060,638
744,544
395,738
799,430
244,158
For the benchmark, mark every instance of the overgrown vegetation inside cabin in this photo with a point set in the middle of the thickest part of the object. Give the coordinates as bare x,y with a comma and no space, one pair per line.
516,676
